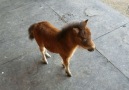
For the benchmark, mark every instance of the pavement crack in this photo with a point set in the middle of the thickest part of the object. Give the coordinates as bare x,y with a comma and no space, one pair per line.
37,70
11,60
112,64
56,13
124,25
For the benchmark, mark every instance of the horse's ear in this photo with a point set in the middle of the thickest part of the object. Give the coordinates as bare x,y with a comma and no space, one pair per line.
76,30
85,22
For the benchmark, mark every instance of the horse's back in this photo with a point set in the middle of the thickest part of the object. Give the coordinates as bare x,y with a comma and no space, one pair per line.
45,29
46,34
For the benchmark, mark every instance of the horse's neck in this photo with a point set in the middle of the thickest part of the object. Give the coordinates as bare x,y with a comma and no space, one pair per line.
66,39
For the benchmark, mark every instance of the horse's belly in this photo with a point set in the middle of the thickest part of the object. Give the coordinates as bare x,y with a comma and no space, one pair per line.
52,48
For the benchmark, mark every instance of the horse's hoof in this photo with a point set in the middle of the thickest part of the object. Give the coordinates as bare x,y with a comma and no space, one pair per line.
69,75
45,62
47,55
63,66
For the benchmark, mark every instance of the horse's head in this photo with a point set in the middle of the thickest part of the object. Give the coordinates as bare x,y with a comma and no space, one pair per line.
82,36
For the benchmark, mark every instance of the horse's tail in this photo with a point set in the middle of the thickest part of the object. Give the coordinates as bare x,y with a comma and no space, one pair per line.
31,28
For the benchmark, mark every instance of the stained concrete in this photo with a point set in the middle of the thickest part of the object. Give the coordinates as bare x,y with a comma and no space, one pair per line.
116,48
102,19
21,66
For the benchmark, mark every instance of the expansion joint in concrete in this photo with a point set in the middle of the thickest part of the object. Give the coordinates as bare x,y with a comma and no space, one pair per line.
112,64
56,13
124,25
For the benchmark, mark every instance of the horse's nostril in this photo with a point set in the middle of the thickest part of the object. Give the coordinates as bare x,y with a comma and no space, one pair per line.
91,49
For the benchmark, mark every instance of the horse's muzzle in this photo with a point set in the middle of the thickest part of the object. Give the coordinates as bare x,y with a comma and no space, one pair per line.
91,49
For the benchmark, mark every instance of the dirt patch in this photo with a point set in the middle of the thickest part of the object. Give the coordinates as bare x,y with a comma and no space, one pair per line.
121,5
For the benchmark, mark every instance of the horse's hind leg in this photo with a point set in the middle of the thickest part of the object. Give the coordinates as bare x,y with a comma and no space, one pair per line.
63,64
46,54
43,51
41,47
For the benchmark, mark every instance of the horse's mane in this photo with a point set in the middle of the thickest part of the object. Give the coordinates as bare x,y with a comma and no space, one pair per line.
71,25
67,28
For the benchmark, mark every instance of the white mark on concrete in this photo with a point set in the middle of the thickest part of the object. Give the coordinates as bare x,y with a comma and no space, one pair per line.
124,65
2,72
21,58
125,39
92,12
48,71
5,57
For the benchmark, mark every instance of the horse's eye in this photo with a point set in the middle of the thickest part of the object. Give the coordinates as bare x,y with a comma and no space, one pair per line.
83,32
84,40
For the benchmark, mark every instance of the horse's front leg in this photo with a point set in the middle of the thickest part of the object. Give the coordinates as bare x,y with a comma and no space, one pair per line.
66,63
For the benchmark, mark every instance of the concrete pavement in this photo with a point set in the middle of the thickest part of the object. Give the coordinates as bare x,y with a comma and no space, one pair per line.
21,66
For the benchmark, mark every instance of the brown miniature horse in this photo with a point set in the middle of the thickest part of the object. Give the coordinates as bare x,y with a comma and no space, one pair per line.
63,41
